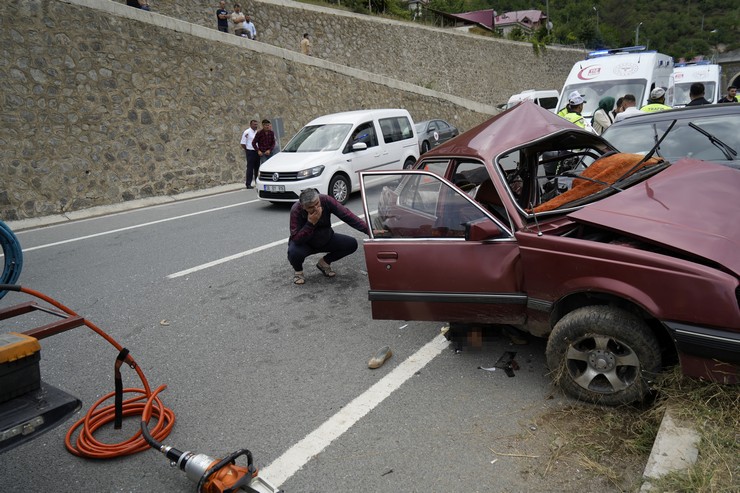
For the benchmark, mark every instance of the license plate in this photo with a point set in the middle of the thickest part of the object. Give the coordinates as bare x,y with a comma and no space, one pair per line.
274,188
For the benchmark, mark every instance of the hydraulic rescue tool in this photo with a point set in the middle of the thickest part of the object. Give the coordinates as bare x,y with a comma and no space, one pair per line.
28,406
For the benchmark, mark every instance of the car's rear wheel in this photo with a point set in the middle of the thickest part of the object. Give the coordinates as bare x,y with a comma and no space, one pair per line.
339,188
409,163
425,146
603,355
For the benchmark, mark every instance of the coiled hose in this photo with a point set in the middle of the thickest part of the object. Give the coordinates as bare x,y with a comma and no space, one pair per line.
86,445
13,256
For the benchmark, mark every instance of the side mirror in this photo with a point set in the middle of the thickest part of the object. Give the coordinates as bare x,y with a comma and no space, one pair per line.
482,229
359,146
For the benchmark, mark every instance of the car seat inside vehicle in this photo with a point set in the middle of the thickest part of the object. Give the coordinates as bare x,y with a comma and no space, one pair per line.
489,198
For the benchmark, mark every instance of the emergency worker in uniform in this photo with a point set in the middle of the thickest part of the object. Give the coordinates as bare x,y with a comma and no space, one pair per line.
574,109
657,101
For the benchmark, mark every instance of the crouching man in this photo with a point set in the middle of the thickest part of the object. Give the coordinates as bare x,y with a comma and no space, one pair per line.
311,232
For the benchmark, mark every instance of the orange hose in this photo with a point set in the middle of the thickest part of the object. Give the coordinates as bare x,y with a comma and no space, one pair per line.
144,400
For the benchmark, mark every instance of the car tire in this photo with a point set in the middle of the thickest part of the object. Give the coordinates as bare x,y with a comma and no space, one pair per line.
603,355
339,188
425,147
409,163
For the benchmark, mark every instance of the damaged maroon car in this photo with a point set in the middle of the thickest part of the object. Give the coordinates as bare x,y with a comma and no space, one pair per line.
627,263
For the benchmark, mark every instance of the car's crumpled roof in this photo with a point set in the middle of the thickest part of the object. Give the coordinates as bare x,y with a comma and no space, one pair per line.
509,129
691,206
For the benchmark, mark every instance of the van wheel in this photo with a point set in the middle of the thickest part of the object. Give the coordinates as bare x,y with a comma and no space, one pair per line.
424,147
409,163
604,355
339,189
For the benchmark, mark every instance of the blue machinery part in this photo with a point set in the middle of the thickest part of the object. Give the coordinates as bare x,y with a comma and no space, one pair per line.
13,256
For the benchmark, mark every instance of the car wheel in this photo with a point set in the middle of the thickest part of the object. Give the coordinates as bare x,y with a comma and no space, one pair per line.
603,355
409,163
425,147
339,188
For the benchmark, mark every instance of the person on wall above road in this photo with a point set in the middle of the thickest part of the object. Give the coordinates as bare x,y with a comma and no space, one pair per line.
574,108
249,26
311,232
657,101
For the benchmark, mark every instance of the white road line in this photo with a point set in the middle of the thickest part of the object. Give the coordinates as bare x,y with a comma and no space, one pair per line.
127,228
237,255
226,259
285,466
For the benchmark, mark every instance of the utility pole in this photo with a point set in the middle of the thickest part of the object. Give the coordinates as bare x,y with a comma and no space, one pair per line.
597,18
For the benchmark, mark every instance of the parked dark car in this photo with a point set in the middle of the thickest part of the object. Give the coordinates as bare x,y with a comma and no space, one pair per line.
627,266
432,133
708,132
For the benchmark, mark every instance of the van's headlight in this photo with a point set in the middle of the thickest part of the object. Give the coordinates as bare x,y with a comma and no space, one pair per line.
310,172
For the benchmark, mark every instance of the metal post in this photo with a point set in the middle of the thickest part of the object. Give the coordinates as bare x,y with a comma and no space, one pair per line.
637,34
597,18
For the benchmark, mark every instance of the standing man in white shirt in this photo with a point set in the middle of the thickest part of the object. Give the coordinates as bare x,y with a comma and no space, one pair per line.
253,158
629,103
250,29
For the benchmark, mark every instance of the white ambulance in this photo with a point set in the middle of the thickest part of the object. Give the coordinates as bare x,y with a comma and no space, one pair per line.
617,72
547,98
685,74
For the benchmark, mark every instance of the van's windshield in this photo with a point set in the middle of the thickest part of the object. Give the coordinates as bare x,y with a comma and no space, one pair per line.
681,92
592,92
319,138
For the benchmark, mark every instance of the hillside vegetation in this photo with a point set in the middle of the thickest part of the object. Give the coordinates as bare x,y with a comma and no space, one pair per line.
680,29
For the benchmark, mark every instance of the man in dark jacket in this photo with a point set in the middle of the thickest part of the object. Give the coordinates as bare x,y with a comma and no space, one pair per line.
696,93
311,232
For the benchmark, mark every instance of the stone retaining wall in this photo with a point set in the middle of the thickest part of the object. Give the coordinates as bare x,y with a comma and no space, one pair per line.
479,68
103,103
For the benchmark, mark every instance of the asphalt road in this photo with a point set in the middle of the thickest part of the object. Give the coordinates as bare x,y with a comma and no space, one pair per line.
201,293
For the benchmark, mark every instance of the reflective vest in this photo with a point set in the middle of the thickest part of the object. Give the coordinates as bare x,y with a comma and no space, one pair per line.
653,107
563,112
575,118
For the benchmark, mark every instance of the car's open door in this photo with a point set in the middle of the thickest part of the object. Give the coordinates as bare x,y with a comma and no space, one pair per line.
437,254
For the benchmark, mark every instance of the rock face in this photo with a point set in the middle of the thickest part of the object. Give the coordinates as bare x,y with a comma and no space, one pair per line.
103,103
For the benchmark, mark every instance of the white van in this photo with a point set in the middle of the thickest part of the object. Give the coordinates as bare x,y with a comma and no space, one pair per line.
547,98
685,74
614,73
330,151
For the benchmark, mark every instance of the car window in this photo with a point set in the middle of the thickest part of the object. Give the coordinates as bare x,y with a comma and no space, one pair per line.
682,141
442,125
421,206
396,128
438,167
469,175
432,126
365,132
549,103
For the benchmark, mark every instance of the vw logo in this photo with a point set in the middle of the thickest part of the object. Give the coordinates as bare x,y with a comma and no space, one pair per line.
275,176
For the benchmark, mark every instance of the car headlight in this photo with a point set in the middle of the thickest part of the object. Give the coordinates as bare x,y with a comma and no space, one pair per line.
310,172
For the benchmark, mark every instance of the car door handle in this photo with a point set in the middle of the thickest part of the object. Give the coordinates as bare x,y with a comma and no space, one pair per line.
387,256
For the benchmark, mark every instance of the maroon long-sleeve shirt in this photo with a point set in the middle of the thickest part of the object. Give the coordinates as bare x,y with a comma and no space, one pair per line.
264,140
302,231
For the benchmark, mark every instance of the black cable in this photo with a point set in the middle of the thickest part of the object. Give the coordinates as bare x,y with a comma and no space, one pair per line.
13,257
